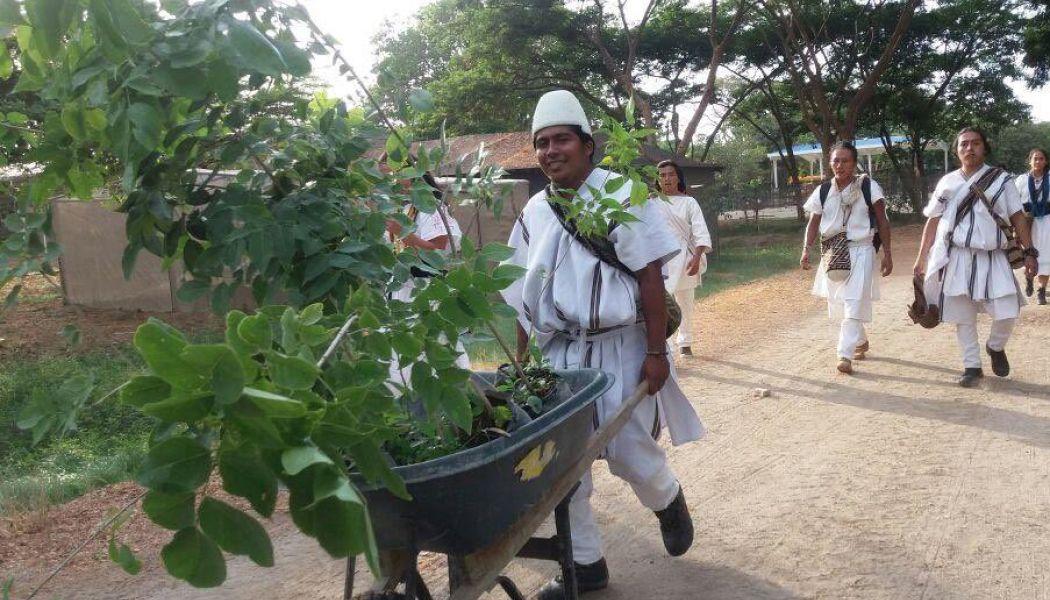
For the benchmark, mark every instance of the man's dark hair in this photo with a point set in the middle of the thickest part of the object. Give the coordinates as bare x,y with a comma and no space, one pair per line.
678,171
1046,157
584,137
844,145
978,131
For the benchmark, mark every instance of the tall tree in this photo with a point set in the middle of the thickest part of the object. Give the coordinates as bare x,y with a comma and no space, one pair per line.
834,55
950,71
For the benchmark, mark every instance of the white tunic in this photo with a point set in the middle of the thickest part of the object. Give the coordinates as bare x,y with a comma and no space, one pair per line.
687,223
967,262
1040,225
429,226
567,295
846,210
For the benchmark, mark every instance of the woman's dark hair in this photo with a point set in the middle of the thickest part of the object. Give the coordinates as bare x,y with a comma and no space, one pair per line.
584,137
1046,157
844,145
678,171
428,177
978,131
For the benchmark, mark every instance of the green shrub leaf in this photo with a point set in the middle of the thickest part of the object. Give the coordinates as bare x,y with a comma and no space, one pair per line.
170,511
194,558
178,464
235,532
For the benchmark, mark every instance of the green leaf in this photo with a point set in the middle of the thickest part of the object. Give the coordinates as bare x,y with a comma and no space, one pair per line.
369,460
222,365
132,26
254,49
57,410
235,532
311,314
294,460
50,19
194,558
123,556
192,290
73,121
292,372
170,511
161,346
275,405
146,125
145,389
256,332
421,100
457,406
6,66
178,464
341,527
17,118
181,407
245,474
72,334
406,345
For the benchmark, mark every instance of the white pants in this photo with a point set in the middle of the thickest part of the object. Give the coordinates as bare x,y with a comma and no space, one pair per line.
851,335
686,300
971,348
638,459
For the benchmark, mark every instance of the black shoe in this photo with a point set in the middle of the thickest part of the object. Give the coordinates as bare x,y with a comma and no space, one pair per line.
1042,295
676,525
589,578
1029,286
687,351
970,376
1000,366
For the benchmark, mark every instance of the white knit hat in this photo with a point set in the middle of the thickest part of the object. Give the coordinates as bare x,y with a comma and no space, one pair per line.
559,107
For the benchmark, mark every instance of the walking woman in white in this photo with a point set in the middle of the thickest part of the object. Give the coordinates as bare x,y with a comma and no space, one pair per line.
686,222
962,257
430,233
854,206
1034,189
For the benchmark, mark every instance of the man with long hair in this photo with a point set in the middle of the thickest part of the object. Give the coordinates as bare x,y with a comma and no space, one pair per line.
1034,189
962,256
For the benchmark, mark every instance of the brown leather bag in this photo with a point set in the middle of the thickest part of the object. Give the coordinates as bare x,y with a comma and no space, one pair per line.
920,310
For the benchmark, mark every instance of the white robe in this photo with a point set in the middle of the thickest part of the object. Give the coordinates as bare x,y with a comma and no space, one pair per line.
429,226
567,291
686,222
1040,225
972,256
846,210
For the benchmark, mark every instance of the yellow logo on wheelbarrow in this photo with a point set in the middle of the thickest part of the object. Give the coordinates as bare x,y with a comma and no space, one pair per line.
536,461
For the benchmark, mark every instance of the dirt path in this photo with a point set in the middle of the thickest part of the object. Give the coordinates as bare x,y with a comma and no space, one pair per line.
893,483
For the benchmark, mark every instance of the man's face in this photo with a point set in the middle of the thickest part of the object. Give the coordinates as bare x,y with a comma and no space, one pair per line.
843,164
971,149
668,180
1038,162
562,155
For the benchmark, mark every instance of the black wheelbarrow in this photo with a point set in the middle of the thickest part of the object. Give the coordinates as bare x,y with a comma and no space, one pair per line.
481,506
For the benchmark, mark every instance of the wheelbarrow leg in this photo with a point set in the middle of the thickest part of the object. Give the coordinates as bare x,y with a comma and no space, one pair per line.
563,541
348,583
509,588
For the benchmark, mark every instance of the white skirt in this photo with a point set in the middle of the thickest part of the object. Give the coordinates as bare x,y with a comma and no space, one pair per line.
1041,241
983,278
852,298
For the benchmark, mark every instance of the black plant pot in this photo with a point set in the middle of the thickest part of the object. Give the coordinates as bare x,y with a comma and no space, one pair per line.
462,502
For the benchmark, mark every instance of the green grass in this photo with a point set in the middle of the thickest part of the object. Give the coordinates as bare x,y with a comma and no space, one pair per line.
752,251
748,252
106,447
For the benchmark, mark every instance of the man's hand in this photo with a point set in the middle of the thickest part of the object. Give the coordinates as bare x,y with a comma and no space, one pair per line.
656,370
694,265
393,227
887,264
804,261
919,268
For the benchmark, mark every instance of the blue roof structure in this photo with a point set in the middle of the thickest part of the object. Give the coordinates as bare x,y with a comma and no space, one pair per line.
861,145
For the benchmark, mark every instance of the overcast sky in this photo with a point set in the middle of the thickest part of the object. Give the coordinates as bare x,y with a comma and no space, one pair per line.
355,23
